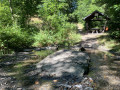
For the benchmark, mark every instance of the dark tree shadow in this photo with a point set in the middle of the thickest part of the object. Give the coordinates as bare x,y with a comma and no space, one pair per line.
19,70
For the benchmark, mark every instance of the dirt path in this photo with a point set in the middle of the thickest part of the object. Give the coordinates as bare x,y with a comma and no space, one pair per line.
105,66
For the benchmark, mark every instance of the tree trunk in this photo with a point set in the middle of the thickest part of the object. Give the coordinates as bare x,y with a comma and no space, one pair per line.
10,3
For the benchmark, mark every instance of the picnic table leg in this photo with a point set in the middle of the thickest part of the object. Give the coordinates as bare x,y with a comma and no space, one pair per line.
97,31
92,31
103,31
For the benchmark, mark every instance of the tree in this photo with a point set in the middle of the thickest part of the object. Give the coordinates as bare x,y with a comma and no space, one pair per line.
10,5
112,9
86,7
5,14
52,13
22,10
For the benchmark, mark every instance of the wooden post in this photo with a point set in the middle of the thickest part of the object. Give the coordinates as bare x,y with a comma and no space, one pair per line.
86,24
105,26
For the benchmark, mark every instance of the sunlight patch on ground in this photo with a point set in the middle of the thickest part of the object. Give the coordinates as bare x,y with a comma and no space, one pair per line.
46,86
35,20
80,26
109,43
113,80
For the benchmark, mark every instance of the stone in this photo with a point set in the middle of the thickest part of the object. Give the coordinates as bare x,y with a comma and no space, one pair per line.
88,88
19,88
2,88
37,49
66,86
36,82
117,57
91,80
51,48
87,45
63,63
78,86
75,48
27,50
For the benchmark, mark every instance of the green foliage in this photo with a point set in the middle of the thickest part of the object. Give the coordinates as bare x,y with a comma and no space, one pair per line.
115,34
14,38
44,53
112,9
51,13
54,15
86,7
56,28
43,38
5,15
66,36
20,10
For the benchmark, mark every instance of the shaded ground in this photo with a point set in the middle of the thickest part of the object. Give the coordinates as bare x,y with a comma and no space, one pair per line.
104,70
19,71
105,66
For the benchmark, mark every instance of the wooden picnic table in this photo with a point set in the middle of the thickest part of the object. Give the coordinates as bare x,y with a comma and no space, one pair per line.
96,30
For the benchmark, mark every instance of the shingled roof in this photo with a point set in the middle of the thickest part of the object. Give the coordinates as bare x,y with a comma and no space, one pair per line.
92,15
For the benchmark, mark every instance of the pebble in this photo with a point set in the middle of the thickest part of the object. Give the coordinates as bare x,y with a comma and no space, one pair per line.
65,85
88,88
55,81
19,88
84,84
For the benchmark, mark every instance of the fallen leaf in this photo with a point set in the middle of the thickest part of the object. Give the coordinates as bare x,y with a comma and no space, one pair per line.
36,82
55,81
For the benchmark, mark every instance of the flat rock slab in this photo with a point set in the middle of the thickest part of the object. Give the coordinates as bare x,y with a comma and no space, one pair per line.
63,63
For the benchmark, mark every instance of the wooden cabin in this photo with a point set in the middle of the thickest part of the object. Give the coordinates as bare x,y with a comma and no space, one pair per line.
96,22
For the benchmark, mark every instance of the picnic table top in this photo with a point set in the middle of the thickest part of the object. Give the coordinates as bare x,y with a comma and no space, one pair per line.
95,28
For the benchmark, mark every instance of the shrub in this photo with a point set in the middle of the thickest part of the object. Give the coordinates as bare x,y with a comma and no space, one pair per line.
5,15
74,37
70,26
64,36
114,30
43,38
14,38
115,34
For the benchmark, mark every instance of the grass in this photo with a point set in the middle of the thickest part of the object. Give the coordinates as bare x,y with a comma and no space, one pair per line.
110,43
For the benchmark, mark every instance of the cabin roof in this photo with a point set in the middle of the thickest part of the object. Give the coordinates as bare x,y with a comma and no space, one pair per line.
92,15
